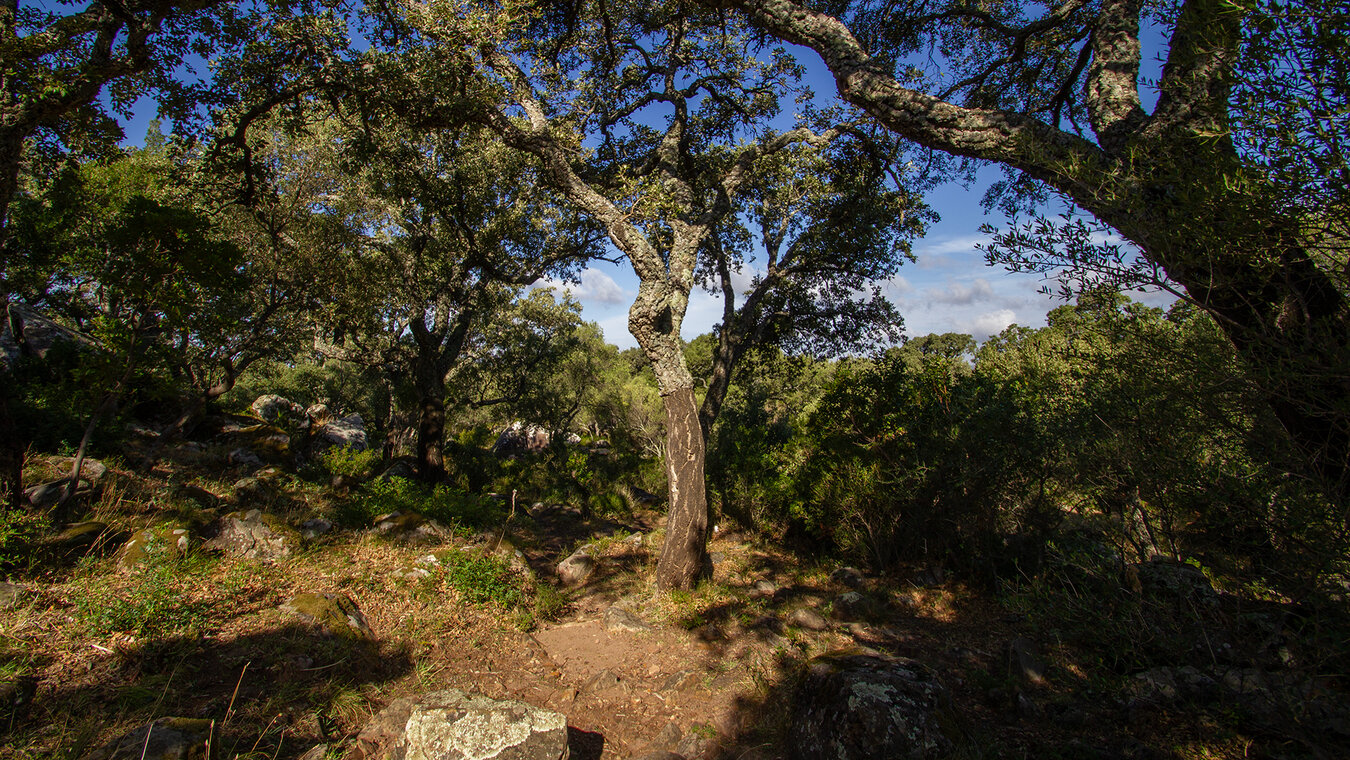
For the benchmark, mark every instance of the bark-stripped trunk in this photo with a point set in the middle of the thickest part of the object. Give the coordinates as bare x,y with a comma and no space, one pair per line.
684,557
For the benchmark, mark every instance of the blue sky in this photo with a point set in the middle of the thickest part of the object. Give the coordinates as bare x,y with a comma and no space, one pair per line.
949,288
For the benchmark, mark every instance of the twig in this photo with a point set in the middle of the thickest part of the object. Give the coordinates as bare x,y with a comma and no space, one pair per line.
264,733
230,710
324,667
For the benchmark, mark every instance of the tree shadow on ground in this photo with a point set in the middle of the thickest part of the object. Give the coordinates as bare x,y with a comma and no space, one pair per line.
1078,707
278,691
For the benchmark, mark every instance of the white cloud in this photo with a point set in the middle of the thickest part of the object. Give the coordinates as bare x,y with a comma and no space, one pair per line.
989,323
959,294
595,287
896,286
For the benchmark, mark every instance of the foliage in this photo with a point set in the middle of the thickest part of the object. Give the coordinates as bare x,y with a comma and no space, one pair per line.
450,506
348,461
482,579
155,599
19,530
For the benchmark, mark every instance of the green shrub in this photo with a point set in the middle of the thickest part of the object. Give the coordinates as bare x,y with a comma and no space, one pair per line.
447,505
18,531
350,462
154,600
482,579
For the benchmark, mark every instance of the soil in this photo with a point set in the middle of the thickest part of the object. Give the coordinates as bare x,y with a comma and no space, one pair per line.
711,677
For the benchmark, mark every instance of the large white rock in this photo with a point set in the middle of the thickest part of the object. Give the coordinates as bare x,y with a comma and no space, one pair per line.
452,725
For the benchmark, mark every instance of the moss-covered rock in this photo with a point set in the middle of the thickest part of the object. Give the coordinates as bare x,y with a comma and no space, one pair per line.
163,739
255,534
336,614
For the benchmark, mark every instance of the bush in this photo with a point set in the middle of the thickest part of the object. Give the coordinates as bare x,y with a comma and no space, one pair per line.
482,579
154,600
444,504
18,532
349,462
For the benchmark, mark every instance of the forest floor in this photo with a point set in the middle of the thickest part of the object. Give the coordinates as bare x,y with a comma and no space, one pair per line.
708,673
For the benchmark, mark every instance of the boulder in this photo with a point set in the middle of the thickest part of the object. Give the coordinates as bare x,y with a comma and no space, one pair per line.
853,705
48,494
274,408
1164,577
91,470
851,577
617,619
315,527
574,570
80,535
336,614
349,432
255,535
409,527
808,619
144,544
452,725
163,739
851,605
23,331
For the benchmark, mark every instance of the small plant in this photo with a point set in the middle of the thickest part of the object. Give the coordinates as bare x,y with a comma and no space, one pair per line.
18,531
447,505
349,462
153,600
481,579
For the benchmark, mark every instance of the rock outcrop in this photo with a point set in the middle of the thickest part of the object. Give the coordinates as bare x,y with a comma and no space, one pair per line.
256,535
452,725
854,705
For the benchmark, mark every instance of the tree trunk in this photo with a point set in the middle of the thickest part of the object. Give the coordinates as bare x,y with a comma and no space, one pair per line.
431,435
684,555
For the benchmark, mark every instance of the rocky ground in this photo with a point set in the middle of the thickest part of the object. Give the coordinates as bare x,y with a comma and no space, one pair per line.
215,589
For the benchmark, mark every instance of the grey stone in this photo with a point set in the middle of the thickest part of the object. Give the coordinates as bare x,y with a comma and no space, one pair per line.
274,408
347,431
317,752
851,577
242,457
314,527
163,739
255,535
851,605
144,544
605,680
852,706
574,570
808,619
25,331
81,535
618,620
697,743
336,614
47,494
91,470
670,736
765,588
680,681
452,725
